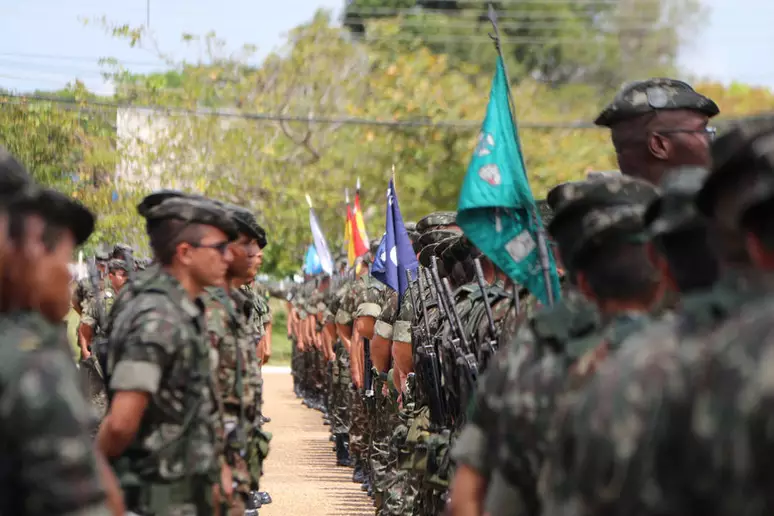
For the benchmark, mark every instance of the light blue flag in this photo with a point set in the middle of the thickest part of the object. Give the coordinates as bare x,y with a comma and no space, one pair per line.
312,263
496,209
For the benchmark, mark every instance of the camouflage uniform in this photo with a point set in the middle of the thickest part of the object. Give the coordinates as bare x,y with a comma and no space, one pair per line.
159,346
50,465
234,367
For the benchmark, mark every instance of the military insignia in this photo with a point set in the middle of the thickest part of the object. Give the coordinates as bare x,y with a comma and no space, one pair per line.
485,145
490,173
657,97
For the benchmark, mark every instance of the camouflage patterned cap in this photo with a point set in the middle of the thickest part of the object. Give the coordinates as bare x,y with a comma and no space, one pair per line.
115,264
156,198
603,224
245,221
640,97
102,255
120,250
438,218
55,208
435,236
675,208
742,164
13,175
196,210
410,226
601,174
577,198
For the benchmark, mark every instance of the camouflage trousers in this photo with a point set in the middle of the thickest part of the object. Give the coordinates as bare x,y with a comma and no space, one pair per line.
358,432
340,416
382,418
295,363
259,393
235,459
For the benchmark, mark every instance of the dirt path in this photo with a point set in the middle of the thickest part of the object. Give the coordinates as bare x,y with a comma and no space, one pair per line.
301,473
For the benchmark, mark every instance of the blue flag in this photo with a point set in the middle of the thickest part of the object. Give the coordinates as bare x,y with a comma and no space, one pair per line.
380,259
399,255
312,263
496,210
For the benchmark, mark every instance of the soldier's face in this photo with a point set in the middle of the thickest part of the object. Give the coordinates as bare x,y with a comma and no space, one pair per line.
118,279
209,261
684,137
241,250
52,278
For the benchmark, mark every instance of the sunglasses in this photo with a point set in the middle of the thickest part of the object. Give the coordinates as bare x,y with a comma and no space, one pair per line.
220,247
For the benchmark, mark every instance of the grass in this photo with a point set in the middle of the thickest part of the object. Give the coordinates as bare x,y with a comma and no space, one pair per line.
281,347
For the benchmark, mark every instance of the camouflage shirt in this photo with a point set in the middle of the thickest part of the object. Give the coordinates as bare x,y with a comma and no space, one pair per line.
158,345
659,411
46,422
230,338
91,310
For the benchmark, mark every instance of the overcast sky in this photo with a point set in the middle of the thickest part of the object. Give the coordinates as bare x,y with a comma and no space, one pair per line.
43,43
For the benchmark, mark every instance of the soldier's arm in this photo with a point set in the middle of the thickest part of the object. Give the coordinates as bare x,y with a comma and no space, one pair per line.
268,326
49,428
147,346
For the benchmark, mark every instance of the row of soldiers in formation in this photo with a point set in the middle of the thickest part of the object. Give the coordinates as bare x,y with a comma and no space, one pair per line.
645,390
176,345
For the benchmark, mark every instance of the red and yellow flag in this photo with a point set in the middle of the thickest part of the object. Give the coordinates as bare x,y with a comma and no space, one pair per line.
348,240
359,235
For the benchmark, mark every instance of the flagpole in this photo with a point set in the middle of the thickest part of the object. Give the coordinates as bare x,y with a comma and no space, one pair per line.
545,263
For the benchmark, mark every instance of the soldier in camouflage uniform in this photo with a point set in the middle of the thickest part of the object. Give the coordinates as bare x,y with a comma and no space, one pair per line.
610,261
84,291
688,426
477,485
163,433
44,415
658,124
235,363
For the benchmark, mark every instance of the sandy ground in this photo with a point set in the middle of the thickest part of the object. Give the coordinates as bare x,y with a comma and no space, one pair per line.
301,473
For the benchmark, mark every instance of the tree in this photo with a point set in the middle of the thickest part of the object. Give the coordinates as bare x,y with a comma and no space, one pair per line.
602,42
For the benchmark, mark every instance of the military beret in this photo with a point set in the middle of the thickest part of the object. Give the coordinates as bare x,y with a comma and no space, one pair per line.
197,210
156,198
460,250
435,236
116,264
601,174
13,175
56,208
374,245
640,97
102,255
603,224
742,161
675,208
245,221
438,218
120,250
545,211
577,198
410,226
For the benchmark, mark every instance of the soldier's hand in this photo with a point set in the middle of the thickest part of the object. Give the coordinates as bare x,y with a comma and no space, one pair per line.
266,356
227,482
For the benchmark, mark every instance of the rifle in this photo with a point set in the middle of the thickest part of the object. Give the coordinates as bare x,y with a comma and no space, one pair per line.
368,377
489,347
428,363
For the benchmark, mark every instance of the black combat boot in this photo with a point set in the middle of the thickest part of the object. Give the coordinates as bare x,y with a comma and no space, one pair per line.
358,476
252,505
342,450
265,497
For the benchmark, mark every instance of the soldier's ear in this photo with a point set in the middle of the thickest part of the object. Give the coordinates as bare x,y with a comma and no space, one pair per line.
659,146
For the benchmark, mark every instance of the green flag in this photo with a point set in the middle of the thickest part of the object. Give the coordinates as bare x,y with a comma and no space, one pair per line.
496,209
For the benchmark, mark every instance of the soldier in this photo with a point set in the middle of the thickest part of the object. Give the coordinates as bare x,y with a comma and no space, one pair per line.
44,415
692,400
236,368
610,262
658,124
478,487
161,431
84,290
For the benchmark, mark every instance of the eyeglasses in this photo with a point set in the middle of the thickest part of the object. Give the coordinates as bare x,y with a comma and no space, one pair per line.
220,247
710,132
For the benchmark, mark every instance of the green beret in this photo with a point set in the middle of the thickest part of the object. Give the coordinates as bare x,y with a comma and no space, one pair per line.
13,175
115,264
675,208
55,208
607,224
120,250
438,218
742,164
640,97
195,210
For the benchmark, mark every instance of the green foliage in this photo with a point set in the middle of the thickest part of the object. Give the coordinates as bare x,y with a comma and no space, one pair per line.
269,164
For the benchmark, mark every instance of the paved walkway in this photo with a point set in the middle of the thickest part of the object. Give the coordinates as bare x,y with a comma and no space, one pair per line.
301,473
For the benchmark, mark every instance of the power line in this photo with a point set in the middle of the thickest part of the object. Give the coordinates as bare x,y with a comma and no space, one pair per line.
88,105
